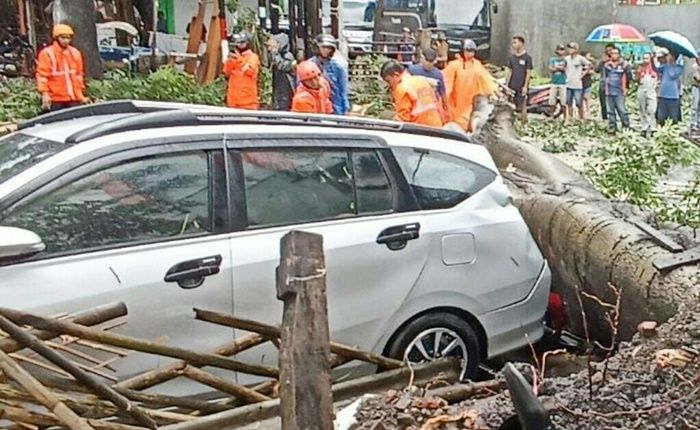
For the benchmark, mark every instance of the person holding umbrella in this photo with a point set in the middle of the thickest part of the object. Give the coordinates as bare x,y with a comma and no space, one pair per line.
670,88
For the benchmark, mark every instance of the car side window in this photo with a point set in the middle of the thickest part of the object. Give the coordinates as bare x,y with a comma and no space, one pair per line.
439,180
146,199
295,186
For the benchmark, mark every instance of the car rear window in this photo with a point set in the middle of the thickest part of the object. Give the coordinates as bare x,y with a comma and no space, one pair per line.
19,152
439,180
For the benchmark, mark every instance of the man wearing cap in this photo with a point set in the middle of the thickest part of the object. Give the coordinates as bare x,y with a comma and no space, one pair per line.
242,69
60,75
670,88
576,66
465,79
557,67
618,75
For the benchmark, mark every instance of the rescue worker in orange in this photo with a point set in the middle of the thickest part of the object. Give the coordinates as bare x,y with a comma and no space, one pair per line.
414,98
242,69
313,95
465,79
60,74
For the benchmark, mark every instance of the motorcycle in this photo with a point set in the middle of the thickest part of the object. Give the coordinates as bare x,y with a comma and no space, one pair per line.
17,57
537,101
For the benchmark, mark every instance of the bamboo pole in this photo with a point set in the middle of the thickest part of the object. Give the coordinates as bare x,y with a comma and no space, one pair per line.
26,417
271,331
172,371
421,374
99,387
41,393
240,392
90,317
128,342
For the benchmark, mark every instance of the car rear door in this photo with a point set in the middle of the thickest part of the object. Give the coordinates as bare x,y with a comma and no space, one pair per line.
350,191
128,227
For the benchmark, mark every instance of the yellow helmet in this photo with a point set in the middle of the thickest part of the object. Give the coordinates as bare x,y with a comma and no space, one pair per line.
62,30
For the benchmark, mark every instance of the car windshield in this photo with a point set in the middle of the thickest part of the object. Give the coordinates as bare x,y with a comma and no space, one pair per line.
20,151
464,12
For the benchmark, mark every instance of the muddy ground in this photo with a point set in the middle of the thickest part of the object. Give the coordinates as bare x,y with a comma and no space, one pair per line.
651,383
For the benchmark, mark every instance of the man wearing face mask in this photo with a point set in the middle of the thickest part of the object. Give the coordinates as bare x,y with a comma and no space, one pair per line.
60,74
465,79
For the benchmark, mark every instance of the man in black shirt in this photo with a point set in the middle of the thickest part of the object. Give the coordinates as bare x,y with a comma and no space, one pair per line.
520,65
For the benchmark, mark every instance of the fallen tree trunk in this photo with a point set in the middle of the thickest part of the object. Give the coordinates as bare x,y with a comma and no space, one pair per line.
589,241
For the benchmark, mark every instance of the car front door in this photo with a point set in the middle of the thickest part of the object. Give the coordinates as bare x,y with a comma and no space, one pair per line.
126,228
352,196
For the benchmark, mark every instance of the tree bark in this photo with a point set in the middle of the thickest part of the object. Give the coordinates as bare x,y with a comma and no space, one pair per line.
589,241
80,14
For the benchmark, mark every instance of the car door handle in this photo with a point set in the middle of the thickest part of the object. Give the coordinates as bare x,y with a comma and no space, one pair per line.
190,274
396,238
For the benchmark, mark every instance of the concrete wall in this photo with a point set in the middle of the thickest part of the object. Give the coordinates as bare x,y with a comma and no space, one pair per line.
684,19
546,23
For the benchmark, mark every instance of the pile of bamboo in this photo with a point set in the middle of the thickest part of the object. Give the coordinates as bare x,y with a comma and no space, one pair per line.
47,379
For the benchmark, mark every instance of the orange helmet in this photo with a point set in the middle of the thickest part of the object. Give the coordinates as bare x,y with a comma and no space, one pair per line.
308,70
62,30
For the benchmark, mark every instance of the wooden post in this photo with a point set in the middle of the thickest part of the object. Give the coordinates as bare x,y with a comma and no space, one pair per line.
305,382
195,37
213,57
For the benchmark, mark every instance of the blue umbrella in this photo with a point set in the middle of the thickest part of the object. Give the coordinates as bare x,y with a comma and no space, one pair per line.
674,42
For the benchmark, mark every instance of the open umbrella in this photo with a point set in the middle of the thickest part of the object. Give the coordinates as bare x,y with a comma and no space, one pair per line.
616,33
674,42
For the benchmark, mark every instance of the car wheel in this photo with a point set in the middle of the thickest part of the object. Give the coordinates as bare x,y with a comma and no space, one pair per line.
435,336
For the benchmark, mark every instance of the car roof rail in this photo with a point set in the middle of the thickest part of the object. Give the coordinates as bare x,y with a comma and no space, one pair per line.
157,115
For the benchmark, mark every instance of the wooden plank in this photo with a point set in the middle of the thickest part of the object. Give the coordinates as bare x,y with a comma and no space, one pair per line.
195,37
659,238
96,385
213,57
670,262
39,392
304,358
242,393
135,344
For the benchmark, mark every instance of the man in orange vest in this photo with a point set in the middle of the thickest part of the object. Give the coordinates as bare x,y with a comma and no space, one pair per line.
313,95
60,75
242,69
414,97
465,79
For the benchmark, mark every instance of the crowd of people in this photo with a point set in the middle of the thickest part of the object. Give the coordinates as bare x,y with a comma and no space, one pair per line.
430,92
659,81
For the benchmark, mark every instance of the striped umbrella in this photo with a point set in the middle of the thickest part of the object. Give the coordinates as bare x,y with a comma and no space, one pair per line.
616,33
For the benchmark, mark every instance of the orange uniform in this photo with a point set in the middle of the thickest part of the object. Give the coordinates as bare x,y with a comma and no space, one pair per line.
61,74
313,101
242,73
416,101
465,80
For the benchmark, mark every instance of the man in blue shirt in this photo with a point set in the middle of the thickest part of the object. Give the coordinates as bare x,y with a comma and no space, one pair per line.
334,72
427,69
618,75
670,88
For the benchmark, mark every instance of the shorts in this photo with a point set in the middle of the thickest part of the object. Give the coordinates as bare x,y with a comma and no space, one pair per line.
574,95
587,92
520,101
557,93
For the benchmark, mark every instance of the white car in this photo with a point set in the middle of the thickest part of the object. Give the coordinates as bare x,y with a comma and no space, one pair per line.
169,207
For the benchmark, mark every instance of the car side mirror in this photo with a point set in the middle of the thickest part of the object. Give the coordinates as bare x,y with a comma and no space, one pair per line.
17,243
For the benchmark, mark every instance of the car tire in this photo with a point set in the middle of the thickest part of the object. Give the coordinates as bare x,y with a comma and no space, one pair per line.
452,328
